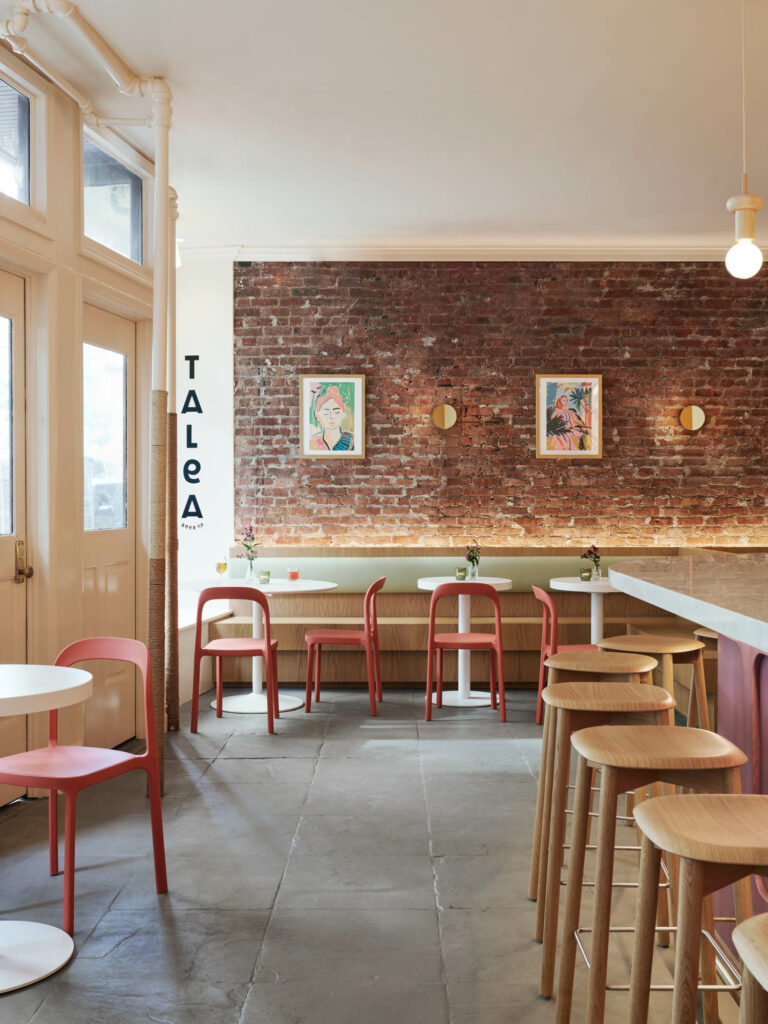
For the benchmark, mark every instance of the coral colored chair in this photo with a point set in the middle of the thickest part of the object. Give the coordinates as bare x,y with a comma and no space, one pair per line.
367,638
491,642
235,647
549,644
70,769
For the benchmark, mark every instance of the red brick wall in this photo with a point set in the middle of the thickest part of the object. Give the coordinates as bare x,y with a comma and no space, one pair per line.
475,335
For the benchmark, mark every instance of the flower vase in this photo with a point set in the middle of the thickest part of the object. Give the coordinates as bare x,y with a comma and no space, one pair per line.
474,571
250,570
597,573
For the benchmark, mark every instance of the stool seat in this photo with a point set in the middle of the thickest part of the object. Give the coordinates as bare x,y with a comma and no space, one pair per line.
714,828
608,697
656,747
601,662
651,643
705,633
751,941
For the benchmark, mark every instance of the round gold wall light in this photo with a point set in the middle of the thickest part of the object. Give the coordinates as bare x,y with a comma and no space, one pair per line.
692,417
444,416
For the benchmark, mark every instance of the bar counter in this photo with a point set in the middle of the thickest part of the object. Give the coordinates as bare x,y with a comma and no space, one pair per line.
729,594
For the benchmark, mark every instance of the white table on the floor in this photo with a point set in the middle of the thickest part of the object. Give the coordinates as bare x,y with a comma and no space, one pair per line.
596,589
464,697
255,702
30,951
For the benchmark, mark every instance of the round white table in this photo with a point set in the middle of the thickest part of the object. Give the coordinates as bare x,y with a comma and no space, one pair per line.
595,589
255,702
30,951
464,697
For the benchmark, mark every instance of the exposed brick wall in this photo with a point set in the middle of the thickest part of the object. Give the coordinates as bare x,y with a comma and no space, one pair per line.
475,335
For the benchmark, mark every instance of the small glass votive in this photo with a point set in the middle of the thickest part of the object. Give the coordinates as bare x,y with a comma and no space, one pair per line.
461,572
291,574
585,575
264,575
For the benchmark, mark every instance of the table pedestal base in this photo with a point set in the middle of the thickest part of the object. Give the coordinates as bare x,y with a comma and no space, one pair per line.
30,952
473,699
256,703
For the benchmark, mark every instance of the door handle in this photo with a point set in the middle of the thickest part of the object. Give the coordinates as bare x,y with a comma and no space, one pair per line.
23,571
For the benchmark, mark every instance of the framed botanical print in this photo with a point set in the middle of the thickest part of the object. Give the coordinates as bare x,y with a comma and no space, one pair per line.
569,416
332,411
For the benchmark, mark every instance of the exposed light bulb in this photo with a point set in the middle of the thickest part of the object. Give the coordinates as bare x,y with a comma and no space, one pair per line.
743,259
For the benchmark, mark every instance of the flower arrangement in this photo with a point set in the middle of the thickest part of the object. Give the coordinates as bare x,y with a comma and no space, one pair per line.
248,541
472,554
593,554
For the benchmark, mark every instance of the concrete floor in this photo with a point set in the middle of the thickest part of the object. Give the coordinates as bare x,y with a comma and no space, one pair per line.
348,870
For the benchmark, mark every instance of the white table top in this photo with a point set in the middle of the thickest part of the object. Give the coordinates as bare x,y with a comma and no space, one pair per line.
725,592
28,688
275,587
431,582
575,583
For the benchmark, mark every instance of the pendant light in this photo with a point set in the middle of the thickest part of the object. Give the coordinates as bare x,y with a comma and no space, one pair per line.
744,259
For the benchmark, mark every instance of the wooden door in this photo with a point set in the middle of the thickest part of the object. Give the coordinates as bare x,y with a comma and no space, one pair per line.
13,594
109,518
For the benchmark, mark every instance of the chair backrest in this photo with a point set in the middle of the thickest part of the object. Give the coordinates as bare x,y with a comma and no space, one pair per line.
230,594
549,623
369,608
473,590
112,648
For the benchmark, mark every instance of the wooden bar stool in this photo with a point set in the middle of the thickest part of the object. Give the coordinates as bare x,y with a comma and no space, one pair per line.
573,706
751,941
721,839
628,758
670,651
571,666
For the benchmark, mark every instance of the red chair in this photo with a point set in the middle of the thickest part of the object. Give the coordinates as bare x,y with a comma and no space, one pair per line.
549,644
70,769
235,647
367,638
491,642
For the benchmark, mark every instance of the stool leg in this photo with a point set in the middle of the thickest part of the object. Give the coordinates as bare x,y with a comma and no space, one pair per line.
754,1001
685,994
547,769
645,928
533,885
708,966
572,910
601,917
668,674
701,692
562,764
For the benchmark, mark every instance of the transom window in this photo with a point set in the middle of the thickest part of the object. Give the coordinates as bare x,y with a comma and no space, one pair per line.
112,202
14,143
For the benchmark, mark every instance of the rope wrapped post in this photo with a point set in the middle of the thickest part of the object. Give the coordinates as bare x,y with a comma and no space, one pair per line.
172,521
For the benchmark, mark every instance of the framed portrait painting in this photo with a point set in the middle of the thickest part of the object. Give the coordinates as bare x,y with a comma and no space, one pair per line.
332,411
569,417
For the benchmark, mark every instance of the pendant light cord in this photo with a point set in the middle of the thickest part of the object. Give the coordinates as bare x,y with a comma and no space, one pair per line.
744,185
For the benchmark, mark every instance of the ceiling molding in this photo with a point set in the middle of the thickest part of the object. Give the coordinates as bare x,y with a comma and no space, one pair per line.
460,253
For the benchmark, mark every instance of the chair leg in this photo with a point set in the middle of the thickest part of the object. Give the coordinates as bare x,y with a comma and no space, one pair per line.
645,929
308,691
69,862
195,692
379,688
428,709
269,669
156,818
492,673
685,995
439,677
53,832
219,687
370,671
540,699
500,685
317,653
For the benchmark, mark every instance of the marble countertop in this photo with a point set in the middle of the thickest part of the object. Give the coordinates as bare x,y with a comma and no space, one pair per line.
726,592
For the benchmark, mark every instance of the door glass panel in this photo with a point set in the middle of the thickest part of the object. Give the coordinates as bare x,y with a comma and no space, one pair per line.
104,439
6,428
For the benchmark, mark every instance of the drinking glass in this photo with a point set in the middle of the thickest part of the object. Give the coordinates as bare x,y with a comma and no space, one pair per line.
221,568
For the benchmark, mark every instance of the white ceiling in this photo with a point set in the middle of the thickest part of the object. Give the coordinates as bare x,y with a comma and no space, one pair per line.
442,123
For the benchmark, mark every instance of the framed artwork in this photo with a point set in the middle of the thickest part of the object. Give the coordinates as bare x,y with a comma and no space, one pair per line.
569,417
332,411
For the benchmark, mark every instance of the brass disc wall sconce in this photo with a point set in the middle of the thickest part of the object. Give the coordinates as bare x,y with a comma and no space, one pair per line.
444,416
692,417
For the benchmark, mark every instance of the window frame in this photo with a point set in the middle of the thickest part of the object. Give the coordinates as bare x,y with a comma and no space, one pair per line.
34,214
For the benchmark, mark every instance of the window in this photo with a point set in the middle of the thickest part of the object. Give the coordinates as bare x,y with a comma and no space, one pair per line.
112,203
6,428
14,143
105,440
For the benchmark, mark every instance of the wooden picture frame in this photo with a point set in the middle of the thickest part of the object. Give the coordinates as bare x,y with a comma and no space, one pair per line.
569,414
332,416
